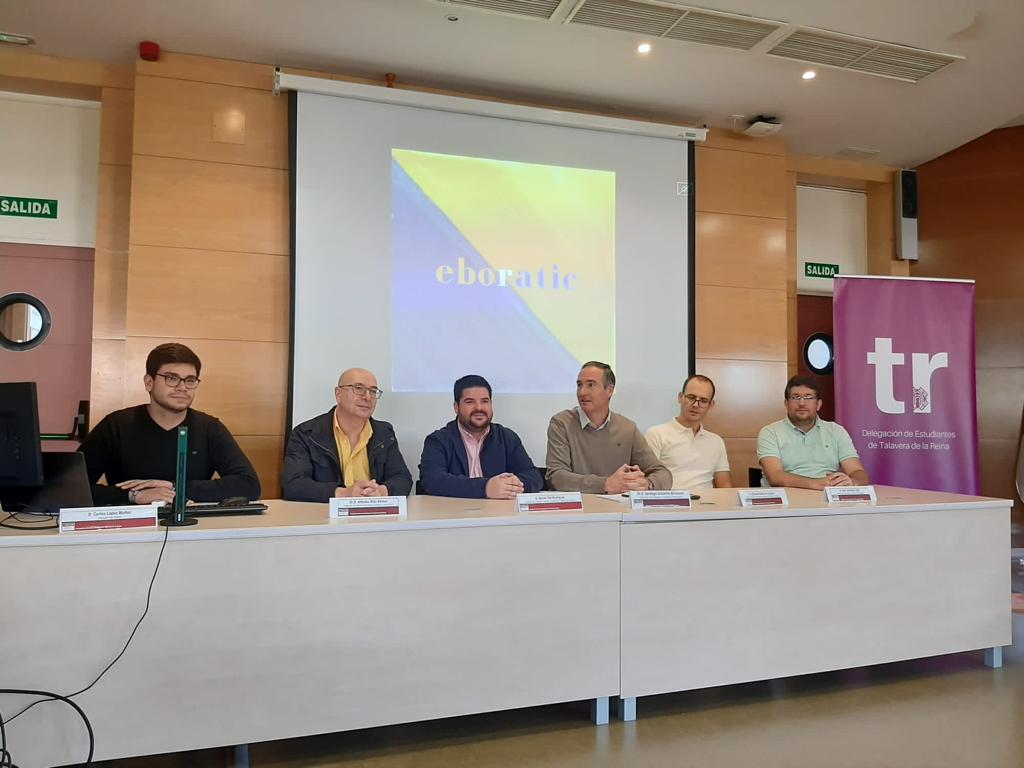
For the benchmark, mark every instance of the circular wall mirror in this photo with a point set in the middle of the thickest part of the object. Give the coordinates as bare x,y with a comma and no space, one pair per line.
24,322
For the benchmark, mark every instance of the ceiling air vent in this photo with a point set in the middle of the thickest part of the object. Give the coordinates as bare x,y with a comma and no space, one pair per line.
675,22
535,9
858,153
859,54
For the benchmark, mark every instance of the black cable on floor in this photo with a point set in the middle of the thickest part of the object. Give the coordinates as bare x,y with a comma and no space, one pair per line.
54,696
6,760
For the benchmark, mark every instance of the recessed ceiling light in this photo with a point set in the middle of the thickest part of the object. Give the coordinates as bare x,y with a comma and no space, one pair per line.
643,48
810,74
16,39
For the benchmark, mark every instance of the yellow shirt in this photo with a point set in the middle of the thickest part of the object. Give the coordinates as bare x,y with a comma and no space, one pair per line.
355,465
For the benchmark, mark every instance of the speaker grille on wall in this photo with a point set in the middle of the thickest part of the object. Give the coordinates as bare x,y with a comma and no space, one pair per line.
905,194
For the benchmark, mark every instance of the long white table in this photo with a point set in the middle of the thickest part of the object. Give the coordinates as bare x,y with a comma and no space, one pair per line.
720,594
288,624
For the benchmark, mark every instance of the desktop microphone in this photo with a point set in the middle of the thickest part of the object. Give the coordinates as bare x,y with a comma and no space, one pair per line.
178,517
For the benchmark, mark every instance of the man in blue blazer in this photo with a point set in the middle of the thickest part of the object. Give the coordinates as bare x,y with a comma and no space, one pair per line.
473,458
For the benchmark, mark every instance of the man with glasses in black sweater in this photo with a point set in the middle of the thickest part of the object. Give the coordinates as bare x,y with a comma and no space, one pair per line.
135,448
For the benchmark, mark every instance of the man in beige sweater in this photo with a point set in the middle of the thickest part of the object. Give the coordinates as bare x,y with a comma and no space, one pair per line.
593,450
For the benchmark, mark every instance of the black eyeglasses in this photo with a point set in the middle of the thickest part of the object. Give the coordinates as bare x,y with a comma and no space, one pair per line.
361,390
173,380
700,402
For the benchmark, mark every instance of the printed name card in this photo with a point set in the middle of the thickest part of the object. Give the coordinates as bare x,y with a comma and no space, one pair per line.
640,500
763,497
77,519
364,506
549,502
851,493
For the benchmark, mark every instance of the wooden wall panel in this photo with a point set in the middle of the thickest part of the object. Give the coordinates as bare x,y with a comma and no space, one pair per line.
110,294
117,113
834,168
742,455
205,121
997,460
265,452
113,206
113,225
741,182
1000,332
210,224
106,392
57,69
741,323
215,206
46,88
970,203
183,66
991,259
748,395
242,381
741,275
741,251
1000,402
247,293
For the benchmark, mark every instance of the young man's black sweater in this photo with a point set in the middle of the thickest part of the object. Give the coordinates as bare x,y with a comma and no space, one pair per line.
129,445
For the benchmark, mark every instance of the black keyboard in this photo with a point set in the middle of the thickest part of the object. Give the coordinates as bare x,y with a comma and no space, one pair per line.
214,508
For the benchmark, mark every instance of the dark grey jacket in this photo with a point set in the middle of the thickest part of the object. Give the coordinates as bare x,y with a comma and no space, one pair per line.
312,469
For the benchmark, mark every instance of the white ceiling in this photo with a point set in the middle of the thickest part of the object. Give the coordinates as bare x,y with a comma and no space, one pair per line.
574,65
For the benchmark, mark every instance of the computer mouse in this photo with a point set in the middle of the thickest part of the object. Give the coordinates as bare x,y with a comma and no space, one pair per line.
234,501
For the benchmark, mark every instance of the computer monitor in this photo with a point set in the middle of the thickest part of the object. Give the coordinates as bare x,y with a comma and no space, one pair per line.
21,462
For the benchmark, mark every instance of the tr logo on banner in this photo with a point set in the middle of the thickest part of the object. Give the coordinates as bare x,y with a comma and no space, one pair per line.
904,376
922,367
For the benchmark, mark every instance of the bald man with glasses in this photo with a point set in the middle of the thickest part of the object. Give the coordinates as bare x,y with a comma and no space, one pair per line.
345,452
695,455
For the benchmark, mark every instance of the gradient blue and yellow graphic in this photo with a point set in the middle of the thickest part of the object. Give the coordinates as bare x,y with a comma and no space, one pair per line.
501,268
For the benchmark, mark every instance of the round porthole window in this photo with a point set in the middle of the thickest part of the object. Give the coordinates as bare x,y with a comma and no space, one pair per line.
24,322
819,354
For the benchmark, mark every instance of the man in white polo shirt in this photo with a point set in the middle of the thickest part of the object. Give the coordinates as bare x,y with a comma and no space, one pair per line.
695,456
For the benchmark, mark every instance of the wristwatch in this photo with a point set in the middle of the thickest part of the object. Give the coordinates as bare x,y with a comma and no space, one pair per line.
133,496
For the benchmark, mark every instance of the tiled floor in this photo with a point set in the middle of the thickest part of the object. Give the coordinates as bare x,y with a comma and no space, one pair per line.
949,711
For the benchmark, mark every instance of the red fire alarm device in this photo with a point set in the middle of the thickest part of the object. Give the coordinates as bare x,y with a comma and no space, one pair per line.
149,51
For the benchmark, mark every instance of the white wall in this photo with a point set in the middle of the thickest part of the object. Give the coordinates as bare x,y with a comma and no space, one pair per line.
49,149
831,228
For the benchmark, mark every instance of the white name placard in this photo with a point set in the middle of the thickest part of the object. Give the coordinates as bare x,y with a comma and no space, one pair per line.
549,502
640,500
79,519
763,497
850,494
364,506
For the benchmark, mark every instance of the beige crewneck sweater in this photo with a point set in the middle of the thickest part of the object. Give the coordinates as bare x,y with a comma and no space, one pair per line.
581,459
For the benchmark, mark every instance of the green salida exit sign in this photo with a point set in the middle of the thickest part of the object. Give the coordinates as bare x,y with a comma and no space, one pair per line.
813,269
33,207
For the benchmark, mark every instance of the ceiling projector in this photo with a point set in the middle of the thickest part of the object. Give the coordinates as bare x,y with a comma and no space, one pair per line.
762,125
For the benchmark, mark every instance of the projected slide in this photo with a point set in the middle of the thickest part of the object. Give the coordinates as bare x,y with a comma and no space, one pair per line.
500,268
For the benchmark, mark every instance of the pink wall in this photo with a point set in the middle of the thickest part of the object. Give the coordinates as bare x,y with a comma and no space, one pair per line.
62,277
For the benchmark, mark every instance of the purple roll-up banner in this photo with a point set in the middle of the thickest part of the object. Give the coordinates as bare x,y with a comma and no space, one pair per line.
904,377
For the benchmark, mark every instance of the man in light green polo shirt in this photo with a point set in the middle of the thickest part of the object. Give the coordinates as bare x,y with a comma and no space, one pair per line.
803,451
